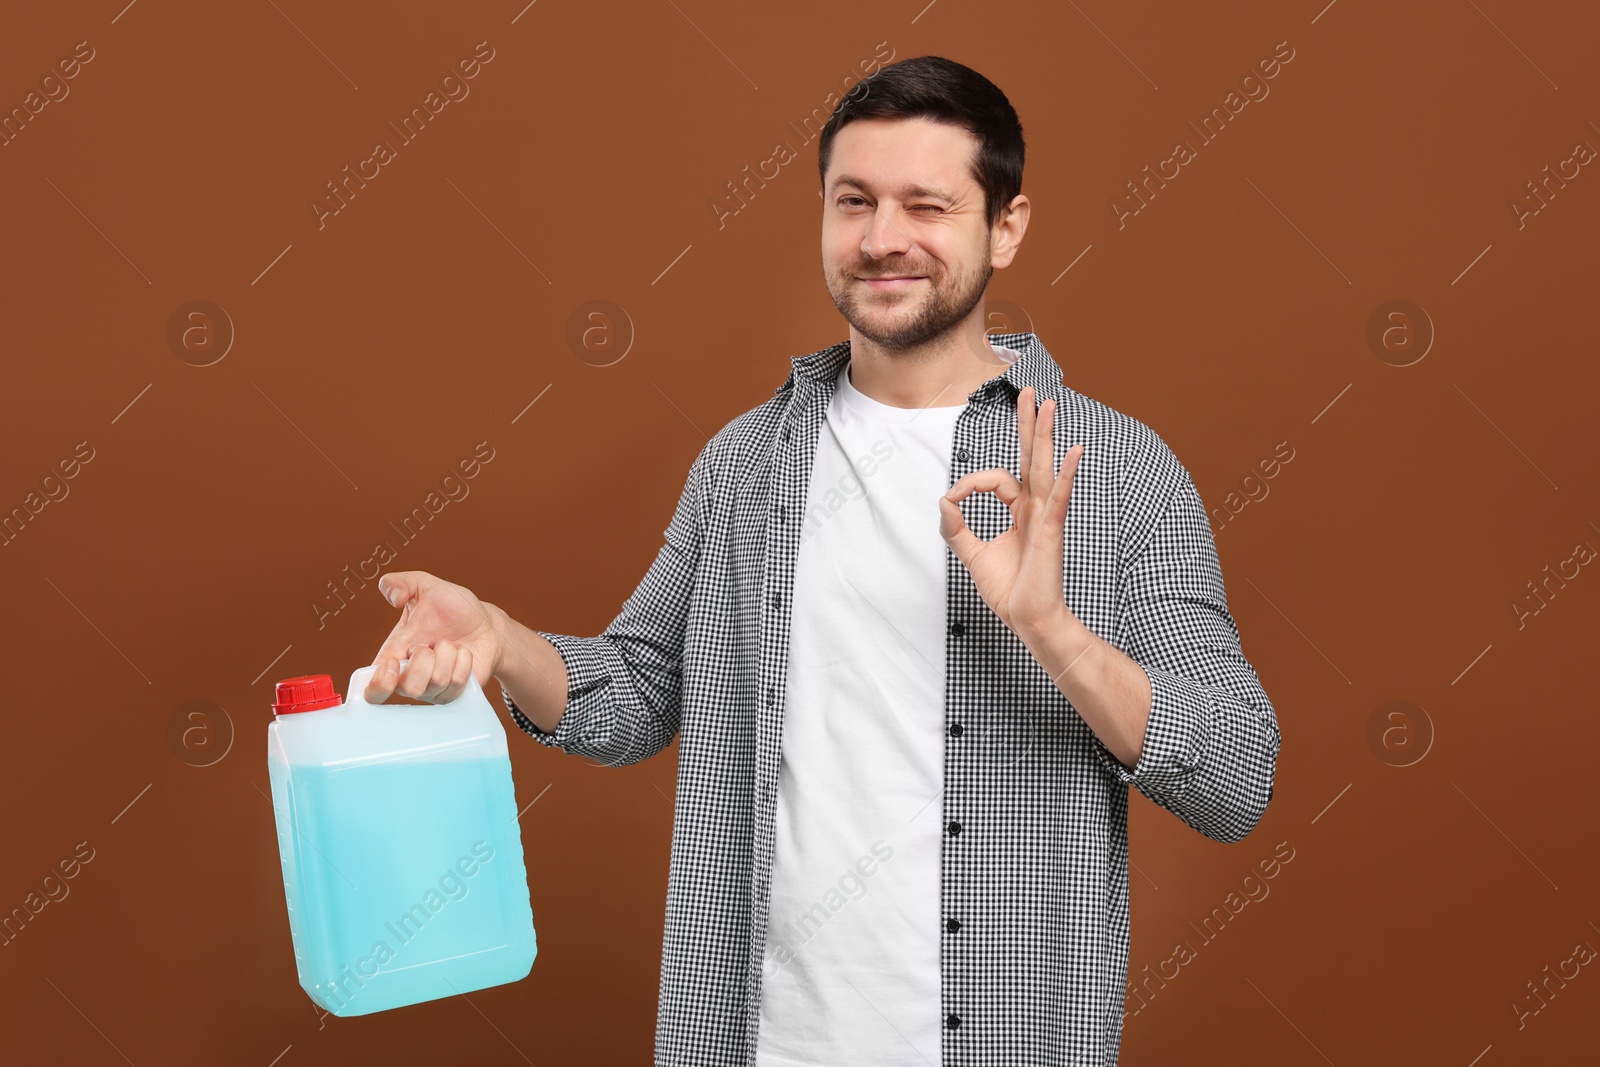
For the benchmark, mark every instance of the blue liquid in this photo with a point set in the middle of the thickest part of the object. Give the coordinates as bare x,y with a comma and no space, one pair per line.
405,881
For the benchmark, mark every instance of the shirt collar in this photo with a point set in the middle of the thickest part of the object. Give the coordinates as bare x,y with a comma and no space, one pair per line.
1034,366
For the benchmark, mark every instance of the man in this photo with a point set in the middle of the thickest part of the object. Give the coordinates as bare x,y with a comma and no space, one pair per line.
914,648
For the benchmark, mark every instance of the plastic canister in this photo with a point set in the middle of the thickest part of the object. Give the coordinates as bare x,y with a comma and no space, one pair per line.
400,844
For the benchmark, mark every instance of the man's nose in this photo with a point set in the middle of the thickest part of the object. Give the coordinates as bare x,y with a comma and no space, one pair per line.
884,237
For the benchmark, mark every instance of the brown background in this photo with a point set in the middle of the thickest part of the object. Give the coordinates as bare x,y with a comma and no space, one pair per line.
1381,564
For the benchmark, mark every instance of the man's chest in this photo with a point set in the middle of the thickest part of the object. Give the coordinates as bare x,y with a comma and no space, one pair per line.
801,479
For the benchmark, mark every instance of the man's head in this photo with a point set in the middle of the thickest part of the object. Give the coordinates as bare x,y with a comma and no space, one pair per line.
921,176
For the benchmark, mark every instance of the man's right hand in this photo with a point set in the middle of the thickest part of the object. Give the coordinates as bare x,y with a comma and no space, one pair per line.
446,632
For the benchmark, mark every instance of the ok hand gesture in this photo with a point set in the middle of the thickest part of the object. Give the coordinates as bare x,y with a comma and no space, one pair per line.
1019,573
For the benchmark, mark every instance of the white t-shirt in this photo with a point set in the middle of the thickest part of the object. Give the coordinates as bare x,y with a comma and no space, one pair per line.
851,963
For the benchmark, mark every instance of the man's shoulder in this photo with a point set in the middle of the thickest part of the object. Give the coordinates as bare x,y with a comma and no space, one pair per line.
1143,461
1141,471
745,437
734,451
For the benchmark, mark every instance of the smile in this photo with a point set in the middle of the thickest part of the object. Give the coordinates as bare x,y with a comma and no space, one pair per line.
891,283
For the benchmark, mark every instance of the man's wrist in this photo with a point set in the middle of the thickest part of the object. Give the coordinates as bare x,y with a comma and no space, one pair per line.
498,622
1062,631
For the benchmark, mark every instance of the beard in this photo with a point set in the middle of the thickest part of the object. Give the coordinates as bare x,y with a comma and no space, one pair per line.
908,318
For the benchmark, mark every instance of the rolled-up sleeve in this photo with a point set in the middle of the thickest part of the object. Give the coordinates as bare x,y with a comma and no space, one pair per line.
1211,742
624,687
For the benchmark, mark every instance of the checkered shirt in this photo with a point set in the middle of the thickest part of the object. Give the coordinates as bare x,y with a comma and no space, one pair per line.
1034,860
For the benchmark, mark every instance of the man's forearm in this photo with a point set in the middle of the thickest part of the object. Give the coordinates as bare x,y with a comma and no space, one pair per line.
1110,691
531,671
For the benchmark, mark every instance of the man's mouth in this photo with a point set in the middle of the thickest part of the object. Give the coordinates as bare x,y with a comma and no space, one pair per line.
901,281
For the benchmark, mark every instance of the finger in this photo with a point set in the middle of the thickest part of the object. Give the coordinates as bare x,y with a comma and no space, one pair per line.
444,663
1025,416
1041,478
997,480
386,664
1055,508
415,678
385,673
458,676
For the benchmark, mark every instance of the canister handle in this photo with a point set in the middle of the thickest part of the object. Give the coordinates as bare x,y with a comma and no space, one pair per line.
358,686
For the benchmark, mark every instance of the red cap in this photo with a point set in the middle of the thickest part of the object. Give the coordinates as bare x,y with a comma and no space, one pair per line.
306,693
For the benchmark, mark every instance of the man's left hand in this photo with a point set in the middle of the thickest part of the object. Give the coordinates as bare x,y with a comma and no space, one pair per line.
1019,573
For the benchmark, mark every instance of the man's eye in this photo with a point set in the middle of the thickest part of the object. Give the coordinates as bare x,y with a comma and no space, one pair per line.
852,200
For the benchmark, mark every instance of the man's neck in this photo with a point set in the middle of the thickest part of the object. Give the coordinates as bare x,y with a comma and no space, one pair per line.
942,374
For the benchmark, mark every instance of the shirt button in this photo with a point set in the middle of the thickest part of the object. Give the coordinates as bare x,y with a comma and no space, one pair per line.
952,1021
961,454
776,600
957,629
772,696
954,828
954,926
786,433
956,729
783,511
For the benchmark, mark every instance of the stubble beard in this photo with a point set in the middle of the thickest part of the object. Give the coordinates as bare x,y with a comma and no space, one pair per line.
907,319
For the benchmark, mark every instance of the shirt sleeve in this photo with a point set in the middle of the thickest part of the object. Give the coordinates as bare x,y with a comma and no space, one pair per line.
1211,742
624,687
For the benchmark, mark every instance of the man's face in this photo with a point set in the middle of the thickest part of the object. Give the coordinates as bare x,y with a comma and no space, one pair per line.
900,200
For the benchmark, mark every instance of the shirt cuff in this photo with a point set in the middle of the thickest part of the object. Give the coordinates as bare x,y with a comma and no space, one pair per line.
1174,737
584,667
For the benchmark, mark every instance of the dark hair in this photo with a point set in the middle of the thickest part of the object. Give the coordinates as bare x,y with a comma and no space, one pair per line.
945,91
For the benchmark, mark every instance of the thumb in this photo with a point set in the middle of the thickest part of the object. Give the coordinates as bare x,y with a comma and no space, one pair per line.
399,588
953,528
